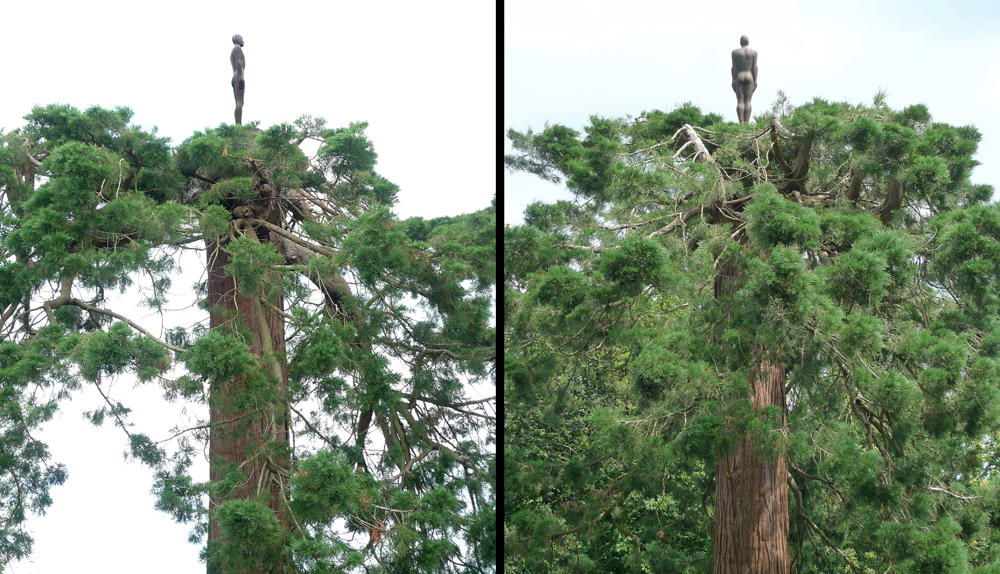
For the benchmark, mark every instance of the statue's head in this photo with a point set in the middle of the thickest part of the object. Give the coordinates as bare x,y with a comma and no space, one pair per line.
238,40
743,41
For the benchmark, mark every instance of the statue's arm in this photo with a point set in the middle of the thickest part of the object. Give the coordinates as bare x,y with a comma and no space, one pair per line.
235,56
754,70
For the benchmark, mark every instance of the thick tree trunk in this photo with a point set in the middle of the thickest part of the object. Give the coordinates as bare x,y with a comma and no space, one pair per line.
750,530
238,436
750,527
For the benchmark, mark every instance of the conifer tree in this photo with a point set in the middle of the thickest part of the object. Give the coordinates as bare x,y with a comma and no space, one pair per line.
791,329
329,319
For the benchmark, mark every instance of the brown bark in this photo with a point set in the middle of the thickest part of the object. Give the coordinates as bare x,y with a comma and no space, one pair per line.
893,201
794,177
750,529
246,437
854,191
776,126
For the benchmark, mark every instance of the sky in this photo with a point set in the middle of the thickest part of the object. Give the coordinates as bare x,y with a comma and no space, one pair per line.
420,73
566,61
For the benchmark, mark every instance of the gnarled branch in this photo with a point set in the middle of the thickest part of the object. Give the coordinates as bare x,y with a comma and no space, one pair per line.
893,201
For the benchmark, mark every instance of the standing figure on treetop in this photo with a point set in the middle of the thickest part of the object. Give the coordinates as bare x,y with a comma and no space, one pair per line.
744,78
239,62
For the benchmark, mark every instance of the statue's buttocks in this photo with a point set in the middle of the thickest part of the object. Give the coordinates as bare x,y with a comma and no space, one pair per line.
744,78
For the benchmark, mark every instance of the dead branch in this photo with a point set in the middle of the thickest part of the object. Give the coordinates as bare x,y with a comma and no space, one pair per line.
695,139
952,494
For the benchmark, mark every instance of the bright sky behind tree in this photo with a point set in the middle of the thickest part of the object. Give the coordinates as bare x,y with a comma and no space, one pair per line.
423,75
565,61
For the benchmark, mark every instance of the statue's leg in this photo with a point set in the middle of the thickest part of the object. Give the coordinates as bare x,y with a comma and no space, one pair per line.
746,92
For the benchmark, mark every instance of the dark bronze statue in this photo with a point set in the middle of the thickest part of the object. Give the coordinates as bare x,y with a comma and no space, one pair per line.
744,78
239,62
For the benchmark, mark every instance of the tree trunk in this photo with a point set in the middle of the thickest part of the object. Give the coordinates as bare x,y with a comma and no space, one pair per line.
750,527
241,437
750,530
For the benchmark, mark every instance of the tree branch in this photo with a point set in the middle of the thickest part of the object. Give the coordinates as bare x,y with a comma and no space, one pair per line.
816,529
953,495
292,237
776,126
718,212
854,191
695,139
62,299
893,201
86,307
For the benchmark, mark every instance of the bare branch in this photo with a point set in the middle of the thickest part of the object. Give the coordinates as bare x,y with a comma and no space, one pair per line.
86,307
693,138
292,237
953,495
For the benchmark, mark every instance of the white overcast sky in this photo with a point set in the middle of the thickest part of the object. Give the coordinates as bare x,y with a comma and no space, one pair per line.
565,61
423,74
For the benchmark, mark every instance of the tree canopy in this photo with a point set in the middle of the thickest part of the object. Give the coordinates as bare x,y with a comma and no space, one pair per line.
844,244
363,446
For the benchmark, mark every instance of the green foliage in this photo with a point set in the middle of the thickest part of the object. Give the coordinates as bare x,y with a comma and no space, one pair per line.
859,278
219,358
774,221
235,189
347,150
674,279
251,538
636,264
661,126
374,244
251,263
215,222
117,350
26,473
324,487
178,495
202,153
93,204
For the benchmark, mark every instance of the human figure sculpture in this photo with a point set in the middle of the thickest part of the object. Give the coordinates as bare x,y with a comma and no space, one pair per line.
744,78
239,62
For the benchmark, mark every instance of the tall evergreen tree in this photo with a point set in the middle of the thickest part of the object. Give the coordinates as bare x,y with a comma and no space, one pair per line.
93,203
805,312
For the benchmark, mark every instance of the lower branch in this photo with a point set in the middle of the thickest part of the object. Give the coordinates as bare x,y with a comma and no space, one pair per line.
86,307
816,529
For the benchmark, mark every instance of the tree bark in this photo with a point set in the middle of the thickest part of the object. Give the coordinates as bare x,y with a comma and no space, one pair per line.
750,528
241,437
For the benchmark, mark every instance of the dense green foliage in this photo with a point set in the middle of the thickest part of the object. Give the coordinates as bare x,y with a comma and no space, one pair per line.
399,329
855,250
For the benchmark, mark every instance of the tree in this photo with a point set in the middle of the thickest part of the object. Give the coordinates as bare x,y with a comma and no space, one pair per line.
93,203
805,311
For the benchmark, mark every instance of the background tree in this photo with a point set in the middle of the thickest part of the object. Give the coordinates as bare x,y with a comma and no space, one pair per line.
91,203
815,291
